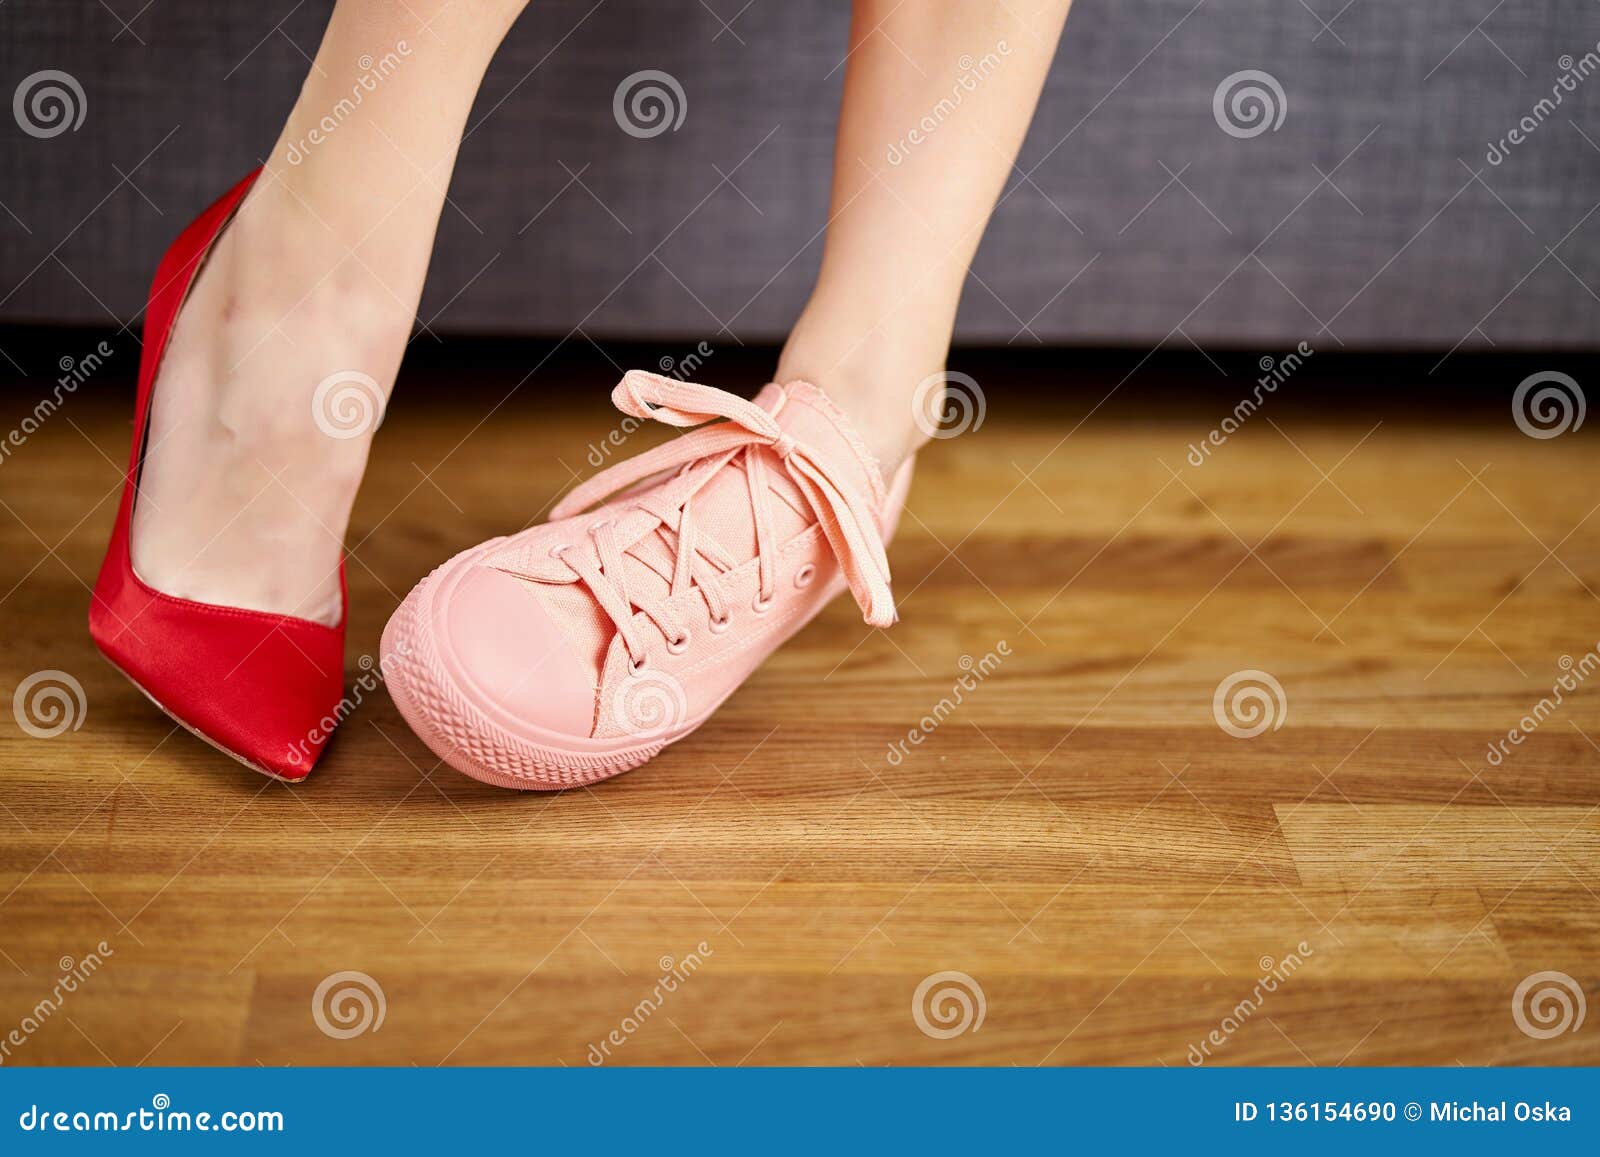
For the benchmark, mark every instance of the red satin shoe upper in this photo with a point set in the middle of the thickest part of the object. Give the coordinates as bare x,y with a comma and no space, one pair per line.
265,688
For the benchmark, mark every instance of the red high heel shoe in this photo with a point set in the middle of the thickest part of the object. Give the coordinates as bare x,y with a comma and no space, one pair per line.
263,688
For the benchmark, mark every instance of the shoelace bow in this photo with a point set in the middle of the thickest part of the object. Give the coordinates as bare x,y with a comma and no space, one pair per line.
847,521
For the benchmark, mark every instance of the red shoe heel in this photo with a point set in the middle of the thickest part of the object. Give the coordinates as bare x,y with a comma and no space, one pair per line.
262,688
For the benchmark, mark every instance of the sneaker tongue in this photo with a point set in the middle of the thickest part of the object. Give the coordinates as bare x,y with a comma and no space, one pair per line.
721,510
809,417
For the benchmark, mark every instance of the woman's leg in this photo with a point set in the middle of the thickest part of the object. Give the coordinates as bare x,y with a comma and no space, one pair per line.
250,472
937,97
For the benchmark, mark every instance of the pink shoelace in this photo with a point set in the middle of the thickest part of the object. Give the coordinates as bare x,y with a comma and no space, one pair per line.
848,521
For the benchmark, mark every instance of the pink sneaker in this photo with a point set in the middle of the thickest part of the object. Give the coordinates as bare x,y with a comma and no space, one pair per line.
578,649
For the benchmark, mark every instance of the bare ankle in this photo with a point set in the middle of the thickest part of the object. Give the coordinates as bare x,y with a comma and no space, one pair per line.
878,382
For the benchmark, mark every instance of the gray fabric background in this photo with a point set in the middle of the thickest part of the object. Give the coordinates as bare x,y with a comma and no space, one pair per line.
1401,246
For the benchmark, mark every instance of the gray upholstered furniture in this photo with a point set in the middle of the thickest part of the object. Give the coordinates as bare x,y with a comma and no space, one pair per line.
1371,216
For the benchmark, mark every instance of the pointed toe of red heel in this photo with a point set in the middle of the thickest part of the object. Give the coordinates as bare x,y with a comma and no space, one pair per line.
263,688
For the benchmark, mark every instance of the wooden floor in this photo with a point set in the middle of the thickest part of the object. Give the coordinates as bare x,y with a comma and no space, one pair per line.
1113,872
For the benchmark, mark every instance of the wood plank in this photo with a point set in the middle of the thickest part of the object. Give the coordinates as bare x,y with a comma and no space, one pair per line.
1382,844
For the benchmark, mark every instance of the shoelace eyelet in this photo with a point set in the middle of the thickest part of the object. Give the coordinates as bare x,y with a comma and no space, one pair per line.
558,550
760,605
722,624
803,576
639,664
679,645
